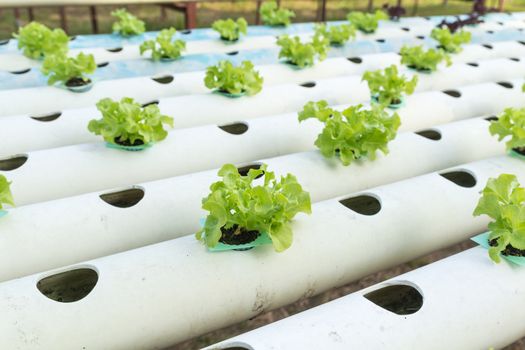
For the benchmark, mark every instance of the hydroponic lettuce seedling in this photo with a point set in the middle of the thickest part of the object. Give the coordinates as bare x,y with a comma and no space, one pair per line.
6,196
503,200
127,123
417,58
450,42
127,24
164,47
36,40
366,22
388,87
511,123
302,54
229,79
273,15
229,29
336,35
353,133
240,211
70,71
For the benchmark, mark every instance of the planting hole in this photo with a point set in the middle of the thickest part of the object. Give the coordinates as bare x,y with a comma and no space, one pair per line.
405,29
125,198
515,59
232,53
69,286
460,178
380,40
500,23
473,64
47,117
453,93
236,346
357,60
487,46
186,32
421,37
430,134
13,162
400,299
235,128
505,84
492,118
490,31
4,42
308,84
243,170
115,49
164,79
22,71
363,204
521,42
73,38
102,64
154,102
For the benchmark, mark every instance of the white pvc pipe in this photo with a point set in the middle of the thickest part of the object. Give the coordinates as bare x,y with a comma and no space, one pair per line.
185,291
463,296
102,229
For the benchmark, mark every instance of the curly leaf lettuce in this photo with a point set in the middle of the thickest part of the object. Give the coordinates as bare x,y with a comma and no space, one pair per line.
388,86
127,24
62,68
450,42
417,58
225,77
5,192
303,54
164,47
366,22
229,29
336,35
510,123
37,41
272,15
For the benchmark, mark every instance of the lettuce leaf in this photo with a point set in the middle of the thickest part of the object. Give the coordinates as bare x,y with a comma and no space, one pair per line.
225,77
388,86
272,15
449,42
164,46
62,68
510,123
229,29
417,58
37,41
127,24
5,192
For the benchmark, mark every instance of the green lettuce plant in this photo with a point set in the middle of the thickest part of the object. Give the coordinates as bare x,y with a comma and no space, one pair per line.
272,15
5,192
387,86
302,54
127,24
237,206
127,123
36,40
227,78
366,22
417,58
229,29
450,42
352,133
71,71
510,123
503,200
336,35
164,47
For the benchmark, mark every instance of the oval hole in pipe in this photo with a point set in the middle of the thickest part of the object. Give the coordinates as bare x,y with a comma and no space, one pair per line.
125,198
521,42
453,93
102,64
68,286
505,84
356,60
490,31
430,134
47,117
400,299
308,84
22,71
154,102
232,53
4,42
363,204
460,178
114,50
243,170
515,59
12,163
73,38
473,64
487,46
186,31
236,346
164,79
421,37
380,40
405,29
235,128
492,118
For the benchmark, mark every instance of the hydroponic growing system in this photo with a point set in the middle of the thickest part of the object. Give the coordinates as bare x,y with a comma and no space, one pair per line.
109,171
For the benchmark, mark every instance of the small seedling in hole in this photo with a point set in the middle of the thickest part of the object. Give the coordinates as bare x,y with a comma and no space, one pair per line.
353,133
450,42
127,24
388,87
128,124
240,211
503,200
366,22
164,47
6,197
301,54
336,35
70,71
36,40
231,80
229,29
511,123
417,58
273,15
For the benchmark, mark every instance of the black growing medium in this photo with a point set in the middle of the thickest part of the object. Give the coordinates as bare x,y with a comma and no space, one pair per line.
400,299
308,84
430,134
363,204
460,178
125,198
69,286
357,60
165,79
12,163
505,84
235,128
243,170
48,117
